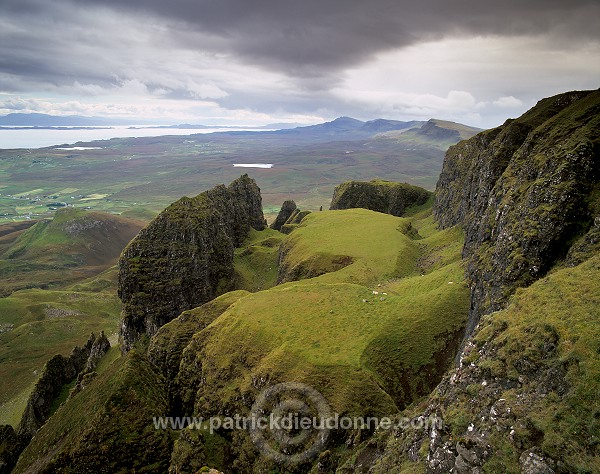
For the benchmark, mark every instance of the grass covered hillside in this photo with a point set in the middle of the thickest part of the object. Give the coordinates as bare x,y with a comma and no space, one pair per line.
479,310
525,397
372,352
36,324
74,245
130,387
59,284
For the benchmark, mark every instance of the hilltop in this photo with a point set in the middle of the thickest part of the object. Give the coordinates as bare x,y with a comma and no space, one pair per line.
73,245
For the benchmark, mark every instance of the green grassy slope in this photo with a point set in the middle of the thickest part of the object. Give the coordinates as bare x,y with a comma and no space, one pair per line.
43,323
74,245
256,262
369,349
528,383
562,311
369,354
130,387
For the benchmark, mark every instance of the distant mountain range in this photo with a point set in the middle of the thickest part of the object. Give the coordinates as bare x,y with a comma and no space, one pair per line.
350,128
340,128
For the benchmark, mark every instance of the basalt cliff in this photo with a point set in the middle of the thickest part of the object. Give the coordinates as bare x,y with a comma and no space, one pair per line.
526,195
184,257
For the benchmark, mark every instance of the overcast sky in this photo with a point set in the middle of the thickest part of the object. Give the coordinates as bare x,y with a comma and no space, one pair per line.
253,62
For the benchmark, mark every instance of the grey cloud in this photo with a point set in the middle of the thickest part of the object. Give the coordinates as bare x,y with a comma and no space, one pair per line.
308,46
317,37
313,37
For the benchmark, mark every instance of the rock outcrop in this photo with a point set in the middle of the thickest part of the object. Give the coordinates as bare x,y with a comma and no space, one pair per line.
184,257
523,192
377,195
287,208
57,372
294,221
11,445
289,217
108,427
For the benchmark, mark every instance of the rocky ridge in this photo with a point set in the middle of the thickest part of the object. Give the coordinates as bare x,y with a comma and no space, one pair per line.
378,195
57,372
524,193
184,257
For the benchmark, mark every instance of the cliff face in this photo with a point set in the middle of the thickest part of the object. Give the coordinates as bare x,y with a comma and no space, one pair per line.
523,395
184,257
381,196
57,372
287,208
524,193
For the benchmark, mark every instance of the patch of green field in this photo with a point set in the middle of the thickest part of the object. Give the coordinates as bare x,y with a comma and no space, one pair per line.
66,191
28,193
373,240
256,261
12,410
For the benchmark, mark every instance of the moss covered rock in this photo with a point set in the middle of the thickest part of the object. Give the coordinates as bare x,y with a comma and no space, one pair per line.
184,257
523,192
378,195
287,208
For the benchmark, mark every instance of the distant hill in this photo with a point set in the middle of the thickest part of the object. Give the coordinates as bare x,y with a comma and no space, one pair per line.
439,133
348,128
75,244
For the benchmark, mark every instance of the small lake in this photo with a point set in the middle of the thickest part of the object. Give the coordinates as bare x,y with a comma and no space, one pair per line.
253,165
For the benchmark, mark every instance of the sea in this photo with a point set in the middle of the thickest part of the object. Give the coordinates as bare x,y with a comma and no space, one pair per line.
44,137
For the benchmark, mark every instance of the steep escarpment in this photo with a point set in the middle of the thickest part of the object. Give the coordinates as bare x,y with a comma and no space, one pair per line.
184,257
524,193
378,195
523,398
58,372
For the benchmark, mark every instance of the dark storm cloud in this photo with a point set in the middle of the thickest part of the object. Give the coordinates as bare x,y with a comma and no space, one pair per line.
313,36
316,37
